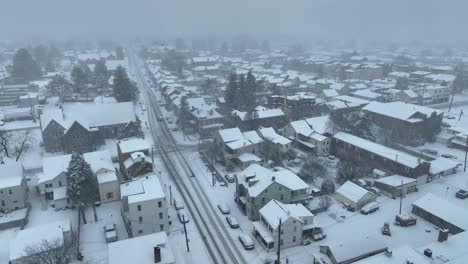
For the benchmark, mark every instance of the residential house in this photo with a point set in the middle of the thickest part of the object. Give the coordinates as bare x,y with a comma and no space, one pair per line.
346,252
235,145
261,117
345,103
306,138
407,96
377,156
205,119
441,213
81,129
144,205
52,182
354,195
296,225
406,123
60,232
131,164
13,187
294,106
274,140
148,249
257,185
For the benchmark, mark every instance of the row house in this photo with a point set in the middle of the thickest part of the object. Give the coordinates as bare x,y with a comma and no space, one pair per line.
306,138
260,117
13,187
236,146
205,120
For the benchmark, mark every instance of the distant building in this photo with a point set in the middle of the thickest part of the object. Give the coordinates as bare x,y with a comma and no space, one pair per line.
205,119
232,143
83,129
396,185
353,250
406,123
354,195
294,106
144,206
256,186
306,138
131,164
261,117
274,139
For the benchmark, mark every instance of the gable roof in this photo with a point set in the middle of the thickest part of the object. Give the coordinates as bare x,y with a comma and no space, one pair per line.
352,191
400,110
275,210
302,127
270,134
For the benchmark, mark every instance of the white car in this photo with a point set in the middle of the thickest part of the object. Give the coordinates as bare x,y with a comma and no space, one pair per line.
183,216
232,221
246,241
370,208
223,208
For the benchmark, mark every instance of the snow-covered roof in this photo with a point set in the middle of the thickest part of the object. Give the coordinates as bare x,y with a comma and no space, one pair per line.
396,180
400,110
100,161
34,235
399,255
275,210
142,189
133,144
441,164
367,93
252,137
381,150
444,210
202,110
107,177
140,250
345,101
105,100
60,193
91,116
249,157
350,249
319,124
260,112
230,134
11,174
410,93
330,93
263,177
352,191
270,134
302,127
451,251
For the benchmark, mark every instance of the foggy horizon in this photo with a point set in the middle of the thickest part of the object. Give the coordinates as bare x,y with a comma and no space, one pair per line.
300,21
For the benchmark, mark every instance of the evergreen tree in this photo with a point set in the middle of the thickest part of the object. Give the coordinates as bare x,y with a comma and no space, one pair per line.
183,116
59,86
312,168
41,54
101,74
25,68
250,93
231,91
82,187
327,187
241,92
363,128
124,89
79,79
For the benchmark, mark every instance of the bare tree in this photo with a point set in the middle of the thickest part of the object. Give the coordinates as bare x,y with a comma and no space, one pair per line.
325,201
14,144
312,168
49,252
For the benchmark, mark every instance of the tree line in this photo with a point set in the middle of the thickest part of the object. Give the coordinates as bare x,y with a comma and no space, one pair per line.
241,92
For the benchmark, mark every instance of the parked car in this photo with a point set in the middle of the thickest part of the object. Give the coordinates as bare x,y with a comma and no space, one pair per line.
178,204
111,233
232,221
448,156
370,208
462,194
183,216
246,241
174,129
223,208
160,118
386,229
230,178
405,220
169,120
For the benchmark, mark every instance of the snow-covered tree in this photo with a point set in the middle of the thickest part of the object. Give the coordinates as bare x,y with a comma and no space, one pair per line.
82,185
124,89
328,187
312,168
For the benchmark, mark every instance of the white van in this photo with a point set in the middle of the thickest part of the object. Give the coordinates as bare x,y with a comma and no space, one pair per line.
370,208
246,241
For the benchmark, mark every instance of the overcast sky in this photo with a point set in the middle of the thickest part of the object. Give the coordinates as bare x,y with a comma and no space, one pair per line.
381,20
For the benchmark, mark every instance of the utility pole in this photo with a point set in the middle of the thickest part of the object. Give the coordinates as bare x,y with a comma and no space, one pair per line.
461,113
401,196
278,253
466,152
451,100
185,231
170,194
212,165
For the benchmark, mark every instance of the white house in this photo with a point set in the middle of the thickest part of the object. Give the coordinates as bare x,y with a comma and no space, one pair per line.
233,143
296,224
53,178
306,138
144,205
148,249
13,187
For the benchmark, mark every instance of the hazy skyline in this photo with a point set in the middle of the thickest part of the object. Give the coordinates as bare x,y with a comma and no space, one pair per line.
396,20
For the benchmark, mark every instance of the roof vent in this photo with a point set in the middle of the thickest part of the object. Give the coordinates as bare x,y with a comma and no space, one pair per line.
428,252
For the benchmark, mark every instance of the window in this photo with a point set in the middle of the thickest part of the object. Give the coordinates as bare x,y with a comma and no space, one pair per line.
295,228
161,227
10,191
3,203
140,219
281,242
160,215
138,207
159,204
294,239
140,231
281,197
109,195
60,183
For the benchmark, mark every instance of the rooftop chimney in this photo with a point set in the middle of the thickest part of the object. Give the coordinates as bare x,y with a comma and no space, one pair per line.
157,255
428,252
443,235
273,178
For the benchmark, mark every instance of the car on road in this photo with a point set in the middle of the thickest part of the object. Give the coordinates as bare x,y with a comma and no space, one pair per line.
160,118
174,129
462,194
448,156
230,178
178,204
224,208
246,241
169,120
232,221
183,216
370,208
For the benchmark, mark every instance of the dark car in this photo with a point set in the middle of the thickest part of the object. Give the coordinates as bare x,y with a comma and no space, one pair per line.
462,194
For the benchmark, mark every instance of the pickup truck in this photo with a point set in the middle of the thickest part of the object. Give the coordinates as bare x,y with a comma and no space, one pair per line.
111,233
